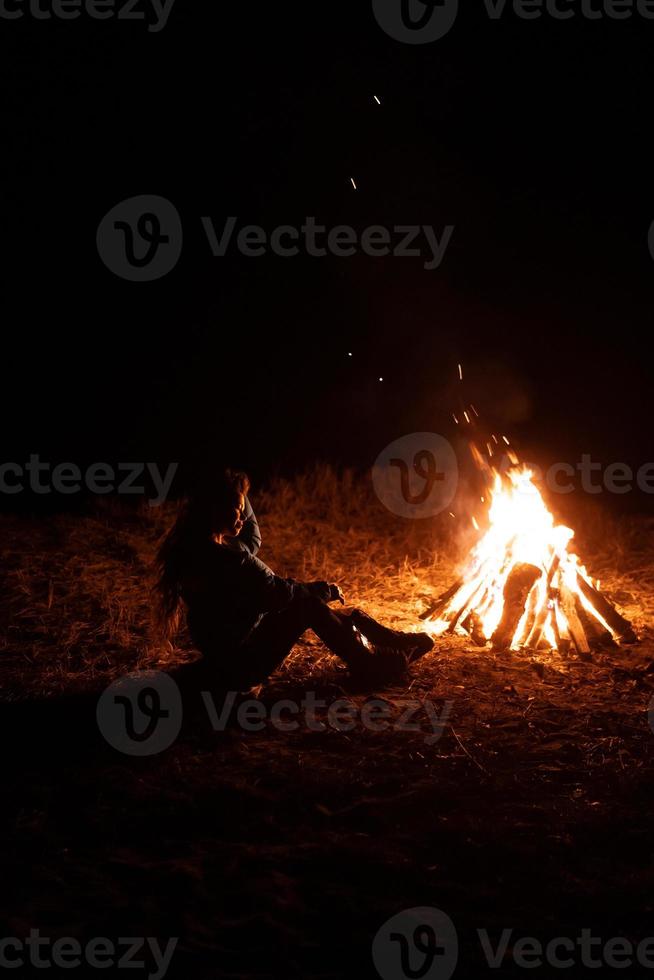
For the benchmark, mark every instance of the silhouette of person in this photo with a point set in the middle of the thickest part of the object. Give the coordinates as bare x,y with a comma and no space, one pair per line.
245,619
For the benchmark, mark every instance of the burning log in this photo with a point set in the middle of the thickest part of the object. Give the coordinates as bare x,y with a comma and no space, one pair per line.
536,634
505,597
469,600
442,601
473,625
597,634
529,619
609,613
560,638
516,590
575,628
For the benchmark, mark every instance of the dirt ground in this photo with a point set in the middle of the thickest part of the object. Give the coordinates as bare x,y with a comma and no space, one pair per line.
281,853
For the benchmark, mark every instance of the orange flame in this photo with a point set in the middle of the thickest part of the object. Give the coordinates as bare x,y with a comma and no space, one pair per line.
521,530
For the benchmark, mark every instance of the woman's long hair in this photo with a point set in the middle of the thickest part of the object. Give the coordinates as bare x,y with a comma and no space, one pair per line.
202,513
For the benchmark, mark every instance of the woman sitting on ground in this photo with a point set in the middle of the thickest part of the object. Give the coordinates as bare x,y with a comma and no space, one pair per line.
242,617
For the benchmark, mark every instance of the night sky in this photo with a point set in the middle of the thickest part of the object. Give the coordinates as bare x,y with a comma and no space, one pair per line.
531,138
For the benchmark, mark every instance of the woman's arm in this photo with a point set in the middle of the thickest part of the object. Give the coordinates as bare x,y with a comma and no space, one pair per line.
250,533
249,539
271,592
274,593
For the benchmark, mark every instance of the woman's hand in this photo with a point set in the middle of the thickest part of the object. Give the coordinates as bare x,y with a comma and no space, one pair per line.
326,591
336,595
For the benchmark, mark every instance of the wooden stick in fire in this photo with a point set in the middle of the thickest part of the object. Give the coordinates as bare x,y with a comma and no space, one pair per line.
534,637
609,614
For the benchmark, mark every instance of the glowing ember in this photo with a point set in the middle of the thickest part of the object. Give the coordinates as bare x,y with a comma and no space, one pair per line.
523,586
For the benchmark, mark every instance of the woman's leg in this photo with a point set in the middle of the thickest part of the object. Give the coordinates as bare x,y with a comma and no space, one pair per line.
384,658
414,644
276,635
239,668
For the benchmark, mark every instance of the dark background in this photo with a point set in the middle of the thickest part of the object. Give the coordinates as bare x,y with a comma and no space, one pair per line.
531,137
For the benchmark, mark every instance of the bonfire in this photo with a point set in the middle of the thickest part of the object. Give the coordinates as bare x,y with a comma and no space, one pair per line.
523,586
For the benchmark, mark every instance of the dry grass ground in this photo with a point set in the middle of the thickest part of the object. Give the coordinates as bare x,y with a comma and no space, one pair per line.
281,853
77,591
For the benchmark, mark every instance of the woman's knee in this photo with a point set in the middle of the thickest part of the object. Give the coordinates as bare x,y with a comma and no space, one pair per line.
304,607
